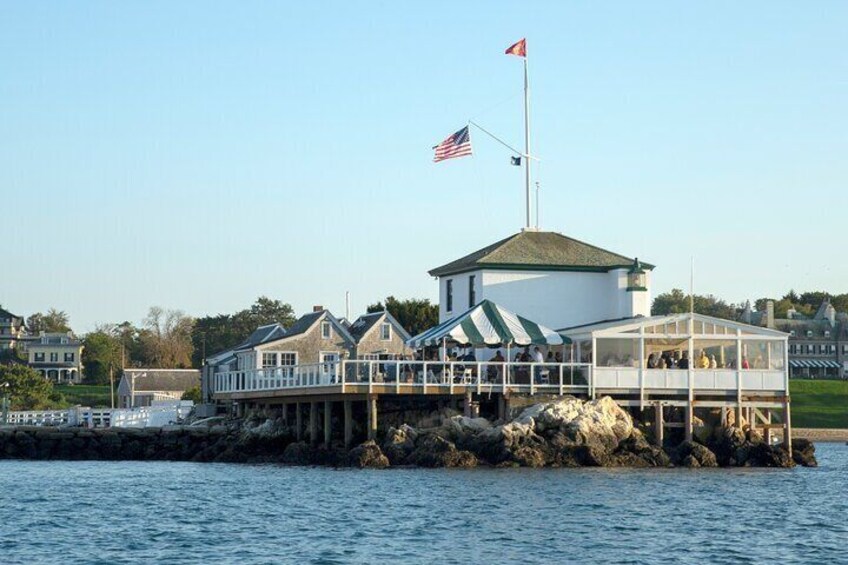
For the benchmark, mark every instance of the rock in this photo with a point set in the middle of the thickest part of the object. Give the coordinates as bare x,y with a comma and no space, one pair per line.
435,451
399,443
690,461
367,456
638,452
725,444
690,450
762,455
298,453
804,452
461,425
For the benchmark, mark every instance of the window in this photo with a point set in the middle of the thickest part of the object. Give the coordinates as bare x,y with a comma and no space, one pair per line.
269,359
809,333
54,357
826,333
39,357
792,349
69,357
386,332
449,295
791,333
472,296
325,330
288,359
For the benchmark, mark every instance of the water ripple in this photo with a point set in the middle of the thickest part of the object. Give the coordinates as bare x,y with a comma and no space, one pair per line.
132,512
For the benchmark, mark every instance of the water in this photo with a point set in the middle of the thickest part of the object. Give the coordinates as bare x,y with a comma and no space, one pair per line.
127,512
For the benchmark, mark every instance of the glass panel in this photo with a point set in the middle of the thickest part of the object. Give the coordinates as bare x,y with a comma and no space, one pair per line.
664,353
714,353
586,351
699,327
776,359
618,352
754,354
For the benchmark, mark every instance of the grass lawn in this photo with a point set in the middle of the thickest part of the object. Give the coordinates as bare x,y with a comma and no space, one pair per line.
819,403
95,396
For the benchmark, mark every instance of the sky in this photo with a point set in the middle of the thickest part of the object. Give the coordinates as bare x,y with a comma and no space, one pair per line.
197,155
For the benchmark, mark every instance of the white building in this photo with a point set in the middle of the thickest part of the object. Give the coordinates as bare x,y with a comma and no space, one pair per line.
549,278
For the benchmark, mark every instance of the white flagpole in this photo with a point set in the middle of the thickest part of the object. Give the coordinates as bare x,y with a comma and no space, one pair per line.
527,139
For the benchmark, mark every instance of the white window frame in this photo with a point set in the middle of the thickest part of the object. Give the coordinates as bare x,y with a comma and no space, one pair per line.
54,357
388,336
282,354
448,295
326,330
274,363
472,292
370,357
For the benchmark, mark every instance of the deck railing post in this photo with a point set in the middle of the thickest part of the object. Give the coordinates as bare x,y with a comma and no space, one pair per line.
560,380
370,376
424,378
341,377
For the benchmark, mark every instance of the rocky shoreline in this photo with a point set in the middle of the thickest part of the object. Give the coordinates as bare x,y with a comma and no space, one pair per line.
565,433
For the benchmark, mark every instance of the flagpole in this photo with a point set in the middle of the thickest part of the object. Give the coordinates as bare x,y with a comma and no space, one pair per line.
527,140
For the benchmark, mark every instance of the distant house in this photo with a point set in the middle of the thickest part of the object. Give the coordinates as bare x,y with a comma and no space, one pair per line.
57,356
549,278
12,330
378,335
143,387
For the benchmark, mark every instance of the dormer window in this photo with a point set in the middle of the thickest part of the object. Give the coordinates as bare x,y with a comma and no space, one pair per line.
386,332
791,333
325,330
826,333
809,333
637,280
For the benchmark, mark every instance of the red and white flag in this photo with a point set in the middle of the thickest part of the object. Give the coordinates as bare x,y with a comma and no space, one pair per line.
456,145
519,49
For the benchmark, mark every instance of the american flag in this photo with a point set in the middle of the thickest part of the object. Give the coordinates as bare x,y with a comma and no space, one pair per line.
457,145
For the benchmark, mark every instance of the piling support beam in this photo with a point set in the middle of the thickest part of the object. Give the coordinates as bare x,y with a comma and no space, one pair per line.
659,425
313,422
468,412
284,413
787,426
688,419
328,422
348,423
372,416
501,407
298,422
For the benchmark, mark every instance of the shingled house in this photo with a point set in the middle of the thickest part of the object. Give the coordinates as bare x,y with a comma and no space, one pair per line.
378,335
143,387
11,330
549,278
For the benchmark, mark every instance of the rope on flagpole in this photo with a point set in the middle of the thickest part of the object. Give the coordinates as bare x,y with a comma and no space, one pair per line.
501,141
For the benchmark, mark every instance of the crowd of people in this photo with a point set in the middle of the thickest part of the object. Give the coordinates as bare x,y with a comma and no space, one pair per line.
680,360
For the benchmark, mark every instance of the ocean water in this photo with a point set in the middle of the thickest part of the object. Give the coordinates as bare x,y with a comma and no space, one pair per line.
163,512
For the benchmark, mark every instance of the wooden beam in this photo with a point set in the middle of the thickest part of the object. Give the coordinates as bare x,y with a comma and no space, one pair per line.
372,416
659,428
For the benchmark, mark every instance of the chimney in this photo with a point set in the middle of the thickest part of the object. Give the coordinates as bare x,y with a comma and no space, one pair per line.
770,314
317,308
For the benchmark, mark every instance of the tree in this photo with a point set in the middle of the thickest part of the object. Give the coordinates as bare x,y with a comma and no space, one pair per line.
676,302
101,354
414,314
54,321
27,389
166,339
212,334
192,394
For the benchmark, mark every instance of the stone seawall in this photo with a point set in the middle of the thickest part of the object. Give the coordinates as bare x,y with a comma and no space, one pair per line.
564,433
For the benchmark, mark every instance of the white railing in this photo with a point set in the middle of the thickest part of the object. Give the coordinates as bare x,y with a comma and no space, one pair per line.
422,376
83,416
411,375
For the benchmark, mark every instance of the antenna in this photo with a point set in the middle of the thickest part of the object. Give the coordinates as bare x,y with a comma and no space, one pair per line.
692,287
537,205
347,305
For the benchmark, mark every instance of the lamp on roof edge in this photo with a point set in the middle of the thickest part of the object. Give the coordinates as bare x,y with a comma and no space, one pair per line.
636,277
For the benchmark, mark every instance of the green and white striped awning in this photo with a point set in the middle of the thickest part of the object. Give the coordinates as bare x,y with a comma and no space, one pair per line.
489,324
814,364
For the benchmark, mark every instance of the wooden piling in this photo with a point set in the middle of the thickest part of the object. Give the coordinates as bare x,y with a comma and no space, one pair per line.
372,416
348,423
298,422
328,418
787,426
659,425
313,422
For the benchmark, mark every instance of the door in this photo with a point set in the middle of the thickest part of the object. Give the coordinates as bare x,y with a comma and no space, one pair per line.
329,361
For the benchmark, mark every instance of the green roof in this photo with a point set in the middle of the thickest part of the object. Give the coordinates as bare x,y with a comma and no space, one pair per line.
539,250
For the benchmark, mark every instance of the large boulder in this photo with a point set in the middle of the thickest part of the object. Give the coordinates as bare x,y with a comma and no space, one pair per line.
636,451
730,446
298,453
804,452
692,454
399,443
432,450
367,456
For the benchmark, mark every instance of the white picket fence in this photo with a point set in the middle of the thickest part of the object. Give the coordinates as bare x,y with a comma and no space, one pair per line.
160,414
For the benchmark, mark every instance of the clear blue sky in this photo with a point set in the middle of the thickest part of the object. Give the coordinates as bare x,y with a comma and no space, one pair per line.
197,155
